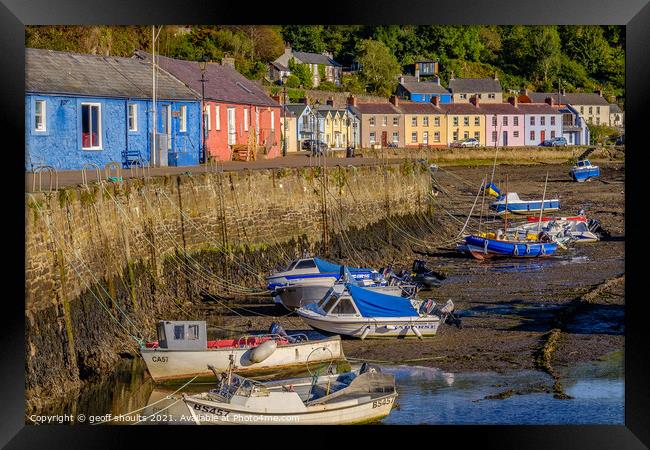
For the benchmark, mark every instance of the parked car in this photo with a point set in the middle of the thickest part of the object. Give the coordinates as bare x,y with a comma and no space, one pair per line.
471,142
391,145
555,142
316,147
620,140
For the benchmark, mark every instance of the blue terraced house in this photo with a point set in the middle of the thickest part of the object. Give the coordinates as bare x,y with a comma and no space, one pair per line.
86,109
411,88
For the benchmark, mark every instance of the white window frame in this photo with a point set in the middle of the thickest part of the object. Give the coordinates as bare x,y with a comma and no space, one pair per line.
43,116
272,120
182,126
414,137
395,121
246,119
395,137
217,117
436,136
425,137
372,137
133,117
99,123
208,119
371,121
384,121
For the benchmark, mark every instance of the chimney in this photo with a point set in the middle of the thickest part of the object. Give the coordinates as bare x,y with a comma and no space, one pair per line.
393,99
436,80
562,91
304,100
330,102
496,77
435,100
277,98
228,61
451,76
523,92
513,101
474,100
599,92
417,72
550,101
352,100
401,79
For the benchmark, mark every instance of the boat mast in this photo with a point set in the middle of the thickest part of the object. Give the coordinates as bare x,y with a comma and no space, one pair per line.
153,95
541,210
505,215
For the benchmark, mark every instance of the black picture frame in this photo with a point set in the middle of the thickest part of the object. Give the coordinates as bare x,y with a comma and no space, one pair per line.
634,14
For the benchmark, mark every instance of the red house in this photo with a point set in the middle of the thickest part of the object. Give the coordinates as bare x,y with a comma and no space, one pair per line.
236,110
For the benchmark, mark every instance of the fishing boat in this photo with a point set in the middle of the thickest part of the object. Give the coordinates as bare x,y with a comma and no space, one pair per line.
364,395
584,170
513,204
363,313
182,352
307,280
492,245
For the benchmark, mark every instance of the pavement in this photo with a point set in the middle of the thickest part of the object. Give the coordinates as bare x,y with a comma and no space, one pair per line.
43,181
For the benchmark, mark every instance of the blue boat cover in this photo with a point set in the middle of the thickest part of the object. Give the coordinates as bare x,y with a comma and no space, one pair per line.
375,304
328,267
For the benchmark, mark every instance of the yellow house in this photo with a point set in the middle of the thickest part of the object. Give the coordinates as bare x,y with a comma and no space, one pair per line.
336,126
424,124
464,121
291,128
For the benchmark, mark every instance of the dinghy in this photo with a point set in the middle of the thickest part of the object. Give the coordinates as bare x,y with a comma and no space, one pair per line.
364,395
565,230
182,352
512,203
363,313
584,171
484,247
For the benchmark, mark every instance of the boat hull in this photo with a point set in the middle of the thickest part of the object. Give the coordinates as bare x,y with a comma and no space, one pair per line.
378,327
177,365
346,412
482,248
526,207
581,175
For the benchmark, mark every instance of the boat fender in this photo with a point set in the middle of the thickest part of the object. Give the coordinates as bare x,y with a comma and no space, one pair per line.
263,351
416,331
365,333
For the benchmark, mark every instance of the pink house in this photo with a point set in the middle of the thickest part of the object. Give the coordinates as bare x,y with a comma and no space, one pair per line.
504,124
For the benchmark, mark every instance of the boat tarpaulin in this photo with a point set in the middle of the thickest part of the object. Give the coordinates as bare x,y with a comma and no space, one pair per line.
328,267
375,304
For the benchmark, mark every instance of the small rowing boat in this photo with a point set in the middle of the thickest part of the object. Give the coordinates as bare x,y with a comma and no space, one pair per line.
485,248
584,171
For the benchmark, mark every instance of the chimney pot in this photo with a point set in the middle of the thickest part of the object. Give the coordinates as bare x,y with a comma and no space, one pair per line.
352,100
330,101
228,61
496,77
550,101
474,100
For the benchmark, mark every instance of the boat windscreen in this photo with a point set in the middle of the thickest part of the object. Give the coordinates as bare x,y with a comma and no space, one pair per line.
328,267
375,304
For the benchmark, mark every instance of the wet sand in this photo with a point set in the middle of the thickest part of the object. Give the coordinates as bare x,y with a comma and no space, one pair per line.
508,307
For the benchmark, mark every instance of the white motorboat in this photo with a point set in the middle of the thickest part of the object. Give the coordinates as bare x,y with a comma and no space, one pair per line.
565,230
183,352
511,202
364,313
361,396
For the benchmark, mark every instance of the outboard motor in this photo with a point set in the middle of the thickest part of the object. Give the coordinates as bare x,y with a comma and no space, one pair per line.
276,328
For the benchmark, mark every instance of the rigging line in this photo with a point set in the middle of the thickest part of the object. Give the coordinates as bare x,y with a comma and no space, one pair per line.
472,210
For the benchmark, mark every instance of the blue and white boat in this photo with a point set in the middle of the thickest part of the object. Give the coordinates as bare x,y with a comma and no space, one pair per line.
513,204
355,311
485,248
584,171
307,280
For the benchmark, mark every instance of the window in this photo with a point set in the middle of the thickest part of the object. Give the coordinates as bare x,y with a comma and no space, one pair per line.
597,109
246,119
492,96
395,121
217,117
552,120
133,117
384,121
455,135
306,264
463,96
494,136
414,137
273,120
425,137
542,120
515,134
466,121
532,120
505,121
344,306
183,118
193,332
455,121
532,135
395,137
582,110
494,121
436,121
425,121
206,113
39,115
478,95
91,128
477,135
552,134
597,120
477,120
414,121
591,110
466,135
436,136
372,121
179,332
515,121
372,137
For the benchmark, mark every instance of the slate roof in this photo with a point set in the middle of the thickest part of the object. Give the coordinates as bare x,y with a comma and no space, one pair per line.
315,58
500,108
576,98
460,108
223,83
296,109
418,108
423,87
472,85
53,72
374,108
538,108
279,66
322,110
614,108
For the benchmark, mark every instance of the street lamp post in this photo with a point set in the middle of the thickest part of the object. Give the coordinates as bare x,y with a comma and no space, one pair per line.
203,63
284,111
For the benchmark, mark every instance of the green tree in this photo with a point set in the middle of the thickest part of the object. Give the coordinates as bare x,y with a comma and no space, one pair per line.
545,54
304,38
302,72
379,68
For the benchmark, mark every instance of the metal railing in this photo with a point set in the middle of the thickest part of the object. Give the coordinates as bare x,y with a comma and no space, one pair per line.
84,176
38,171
